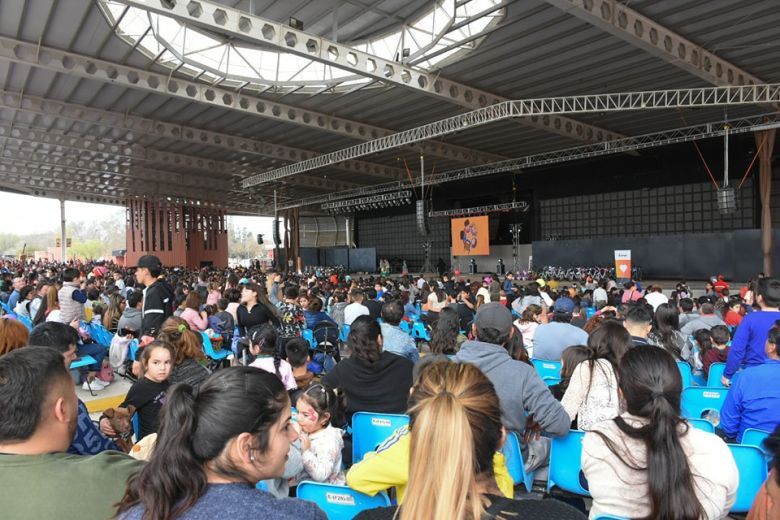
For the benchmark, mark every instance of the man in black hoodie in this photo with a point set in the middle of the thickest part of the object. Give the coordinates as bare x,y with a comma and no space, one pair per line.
158,295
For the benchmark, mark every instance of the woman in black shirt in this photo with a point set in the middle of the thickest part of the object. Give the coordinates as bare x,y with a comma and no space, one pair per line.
255,309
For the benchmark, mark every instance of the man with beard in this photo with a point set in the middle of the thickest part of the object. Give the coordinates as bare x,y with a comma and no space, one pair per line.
37,424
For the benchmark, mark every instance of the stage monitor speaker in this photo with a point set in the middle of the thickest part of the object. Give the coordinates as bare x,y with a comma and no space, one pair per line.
259,239
422,218
727,200
277,236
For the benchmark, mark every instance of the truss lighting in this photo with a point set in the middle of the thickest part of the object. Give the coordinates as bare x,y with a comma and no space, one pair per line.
384,200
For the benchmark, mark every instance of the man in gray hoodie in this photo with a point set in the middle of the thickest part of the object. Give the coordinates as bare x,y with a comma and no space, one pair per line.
518,385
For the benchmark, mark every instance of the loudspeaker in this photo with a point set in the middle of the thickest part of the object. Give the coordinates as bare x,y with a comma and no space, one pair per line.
727,200
259,239
422,218
277,237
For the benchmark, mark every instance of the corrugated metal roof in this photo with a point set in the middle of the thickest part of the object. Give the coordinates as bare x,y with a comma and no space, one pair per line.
538,50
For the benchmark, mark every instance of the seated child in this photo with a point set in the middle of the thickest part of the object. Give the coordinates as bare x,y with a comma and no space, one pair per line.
318,409
298,356
262,345
718,350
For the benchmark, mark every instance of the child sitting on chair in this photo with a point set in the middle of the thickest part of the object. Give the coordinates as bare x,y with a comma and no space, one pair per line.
262,345
298,356
318,408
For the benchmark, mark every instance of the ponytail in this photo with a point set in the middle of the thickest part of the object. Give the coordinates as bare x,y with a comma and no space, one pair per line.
173,480
652,387
455,424
194,431
277,362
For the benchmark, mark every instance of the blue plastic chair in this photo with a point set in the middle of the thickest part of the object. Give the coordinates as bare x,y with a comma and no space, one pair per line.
547,368
566,464
82,362
699,379
515,463
420,332
752,475
551,381
6,308
344,333
213,355
686,373
100,335
262,486
697,400
369,430
716,372
702,424
136,427
754,437
590,312
404,325
339,502
308,335
133,346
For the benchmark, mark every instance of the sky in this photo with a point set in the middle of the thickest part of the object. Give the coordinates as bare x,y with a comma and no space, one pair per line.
39,215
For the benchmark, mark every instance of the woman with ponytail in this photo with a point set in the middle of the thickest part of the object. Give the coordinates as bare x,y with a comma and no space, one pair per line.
455,425
187,367
213,446
649,462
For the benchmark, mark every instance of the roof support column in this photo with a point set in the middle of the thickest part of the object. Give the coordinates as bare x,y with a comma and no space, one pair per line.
63,249
765,140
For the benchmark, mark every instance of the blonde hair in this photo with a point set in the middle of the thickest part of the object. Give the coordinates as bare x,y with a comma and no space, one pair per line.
455,424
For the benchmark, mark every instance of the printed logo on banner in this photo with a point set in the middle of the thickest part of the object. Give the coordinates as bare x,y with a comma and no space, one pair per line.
376,421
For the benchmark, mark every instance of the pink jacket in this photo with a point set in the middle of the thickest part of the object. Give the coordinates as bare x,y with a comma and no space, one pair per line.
194,319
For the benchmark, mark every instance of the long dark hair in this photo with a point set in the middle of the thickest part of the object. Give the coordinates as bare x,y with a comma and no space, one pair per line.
610,342
363,339
445,332
665,324
652,387
194,430
262,299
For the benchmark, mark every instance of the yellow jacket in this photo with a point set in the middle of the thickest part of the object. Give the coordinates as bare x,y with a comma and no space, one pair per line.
388,467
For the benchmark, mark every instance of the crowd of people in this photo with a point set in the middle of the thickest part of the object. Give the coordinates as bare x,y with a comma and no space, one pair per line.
280,412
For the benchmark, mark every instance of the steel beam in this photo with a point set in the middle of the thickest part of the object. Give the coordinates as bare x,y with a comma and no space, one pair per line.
164,84
646,141
106,149
136,180
263,32
649,100
627,24
133,127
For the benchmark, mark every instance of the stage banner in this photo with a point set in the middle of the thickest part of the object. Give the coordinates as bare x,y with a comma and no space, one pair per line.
470,236
623,263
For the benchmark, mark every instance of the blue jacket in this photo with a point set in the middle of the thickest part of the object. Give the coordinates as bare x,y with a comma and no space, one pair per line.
399,342
88,440
753,400
747,347
315,318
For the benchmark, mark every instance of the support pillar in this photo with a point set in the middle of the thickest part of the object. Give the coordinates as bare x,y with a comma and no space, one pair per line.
64,255
765,140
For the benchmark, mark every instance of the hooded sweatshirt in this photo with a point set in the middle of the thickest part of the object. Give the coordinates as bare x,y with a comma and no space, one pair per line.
519,388
382,386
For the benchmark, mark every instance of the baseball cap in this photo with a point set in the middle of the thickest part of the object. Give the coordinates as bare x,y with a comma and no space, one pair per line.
150,262
493,316
540,281
564,305
243,281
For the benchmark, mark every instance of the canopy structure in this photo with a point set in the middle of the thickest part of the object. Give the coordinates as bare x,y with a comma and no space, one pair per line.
224,103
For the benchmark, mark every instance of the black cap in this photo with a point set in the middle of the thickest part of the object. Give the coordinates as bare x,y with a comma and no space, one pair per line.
150,262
